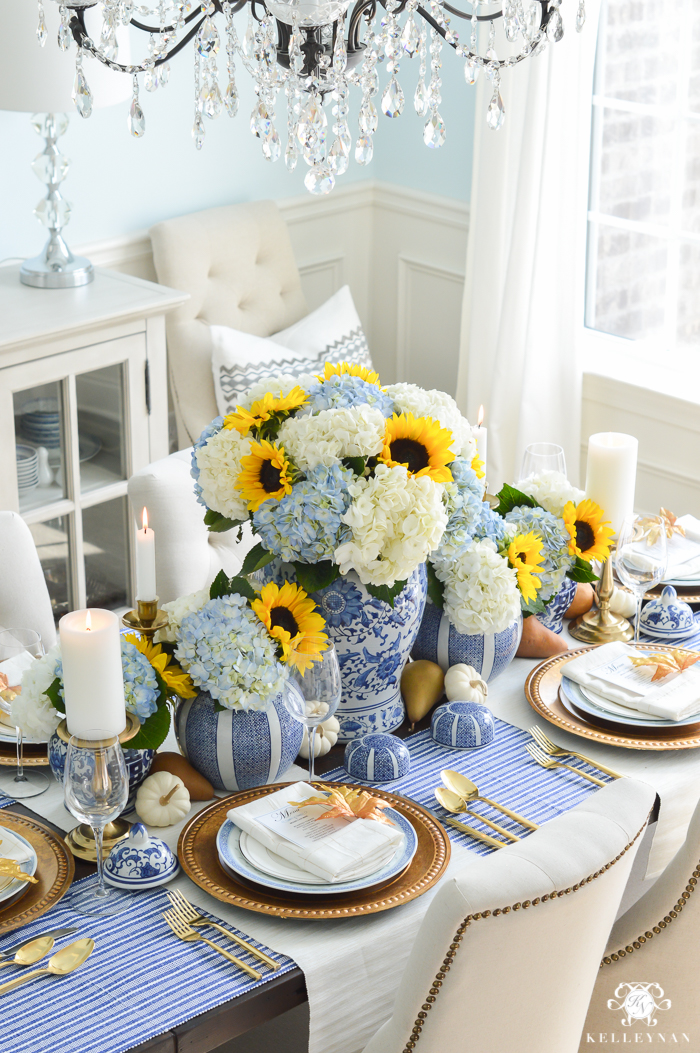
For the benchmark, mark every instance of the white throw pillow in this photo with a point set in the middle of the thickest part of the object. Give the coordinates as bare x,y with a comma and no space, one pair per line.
331,333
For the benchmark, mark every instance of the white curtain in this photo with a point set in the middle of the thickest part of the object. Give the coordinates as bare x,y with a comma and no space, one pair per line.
523,297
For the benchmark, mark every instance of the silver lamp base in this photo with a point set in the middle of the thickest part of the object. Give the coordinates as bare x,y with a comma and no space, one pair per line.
42,274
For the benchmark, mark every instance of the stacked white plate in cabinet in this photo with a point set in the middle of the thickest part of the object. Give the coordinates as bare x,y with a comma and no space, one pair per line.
41,422
27,467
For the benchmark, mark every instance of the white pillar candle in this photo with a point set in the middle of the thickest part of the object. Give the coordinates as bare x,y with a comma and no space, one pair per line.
93,683
611,474
145,561
480,437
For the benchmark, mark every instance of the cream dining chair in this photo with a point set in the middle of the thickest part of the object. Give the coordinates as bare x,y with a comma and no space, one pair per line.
652,961
237,264
24,596
508,952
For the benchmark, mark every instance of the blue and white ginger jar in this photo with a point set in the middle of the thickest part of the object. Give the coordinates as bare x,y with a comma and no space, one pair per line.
463,725
140,861
552,617
488,653
377,758
238,749
372,641
138,764
667,616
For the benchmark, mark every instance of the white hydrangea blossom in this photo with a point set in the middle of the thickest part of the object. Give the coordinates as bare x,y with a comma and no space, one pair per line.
219,463
32,711
551,489
283,382
409,398
397,520
481,591
331,435
178,609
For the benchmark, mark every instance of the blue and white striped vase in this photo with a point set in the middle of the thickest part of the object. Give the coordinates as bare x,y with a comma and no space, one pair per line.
553,615
488,653
238,749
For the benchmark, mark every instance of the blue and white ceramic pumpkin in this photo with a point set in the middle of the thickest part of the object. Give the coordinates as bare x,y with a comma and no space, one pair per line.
238,749
377,758
463,725
488,653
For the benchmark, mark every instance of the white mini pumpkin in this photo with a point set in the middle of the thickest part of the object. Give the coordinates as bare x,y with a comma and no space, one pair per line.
162,799
326,736
463,684
623,603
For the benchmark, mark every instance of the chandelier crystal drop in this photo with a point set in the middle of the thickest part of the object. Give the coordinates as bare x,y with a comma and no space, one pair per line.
304,56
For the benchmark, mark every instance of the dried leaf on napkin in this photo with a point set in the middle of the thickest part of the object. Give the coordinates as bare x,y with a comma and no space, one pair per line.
8,692
347,803
671,526
675,661
11,868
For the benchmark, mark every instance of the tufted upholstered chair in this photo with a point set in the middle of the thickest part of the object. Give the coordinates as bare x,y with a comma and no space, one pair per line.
24,597
656,943
520,978
237,264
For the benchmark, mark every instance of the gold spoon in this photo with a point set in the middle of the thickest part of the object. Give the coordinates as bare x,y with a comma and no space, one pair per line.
65,961
452,802
31,952
468,791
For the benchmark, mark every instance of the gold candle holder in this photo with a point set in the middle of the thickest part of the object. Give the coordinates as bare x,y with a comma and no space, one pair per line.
81,839
602,625
147,619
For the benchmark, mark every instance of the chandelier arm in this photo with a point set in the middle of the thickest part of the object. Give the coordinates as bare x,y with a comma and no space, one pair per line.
355,18
463,14
157,29
84,41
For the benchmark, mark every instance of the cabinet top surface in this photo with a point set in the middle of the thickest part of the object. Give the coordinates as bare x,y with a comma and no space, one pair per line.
28,314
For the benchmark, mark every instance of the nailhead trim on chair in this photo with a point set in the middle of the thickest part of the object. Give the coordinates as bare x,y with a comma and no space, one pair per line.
660,926
459,935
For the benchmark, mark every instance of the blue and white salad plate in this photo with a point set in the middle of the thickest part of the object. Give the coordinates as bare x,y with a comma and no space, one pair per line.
237,862
594,706
14,887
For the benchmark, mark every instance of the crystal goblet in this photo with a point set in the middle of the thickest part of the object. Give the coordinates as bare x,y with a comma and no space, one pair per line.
641,556
20,782
313,696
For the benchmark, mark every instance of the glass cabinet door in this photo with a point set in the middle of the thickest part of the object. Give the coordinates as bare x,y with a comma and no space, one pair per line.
78,436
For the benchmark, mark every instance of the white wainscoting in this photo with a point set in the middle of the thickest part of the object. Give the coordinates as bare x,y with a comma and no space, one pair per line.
402,253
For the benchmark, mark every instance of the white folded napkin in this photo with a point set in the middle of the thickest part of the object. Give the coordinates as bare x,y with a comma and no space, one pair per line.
15,668
692,527
331,849
607,671
11,848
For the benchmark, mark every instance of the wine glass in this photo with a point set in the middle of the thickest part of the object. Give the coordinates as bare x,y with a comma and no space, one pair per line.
314,696
640,559
96,789
20,782
543,457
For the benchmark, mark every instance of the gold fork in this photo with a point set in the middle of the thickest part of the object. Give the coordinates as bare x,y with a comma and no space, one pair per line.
549,747
191,916
184,932
548,762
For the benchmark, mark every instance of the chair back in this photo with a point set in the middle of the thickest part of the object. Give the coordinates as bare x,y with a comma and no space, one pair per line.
236,263
509,949
24,596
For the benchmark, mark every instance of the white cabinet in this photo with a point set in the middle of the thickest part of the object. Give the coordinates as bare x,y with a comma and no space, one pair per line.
83,405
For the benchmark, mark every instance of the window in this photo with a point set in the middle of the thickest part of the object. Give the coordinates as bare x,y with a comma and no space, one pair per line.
643,258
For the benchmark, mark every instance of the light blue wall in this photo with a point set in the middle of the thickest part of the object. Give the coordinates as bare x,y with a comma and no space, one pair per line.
118,184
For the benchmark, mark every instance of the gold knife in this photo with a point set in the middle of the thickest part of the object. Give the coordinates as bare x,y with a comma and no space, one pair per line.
475,833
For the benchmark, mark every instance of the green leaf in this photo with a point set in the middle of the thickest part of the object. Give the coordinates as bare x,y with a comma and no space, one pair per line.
315,576
219,586
436,589
535,606
256,558
218,708
153,732
387,593
242,587
510,498
217,523
356,463
581,571
52,693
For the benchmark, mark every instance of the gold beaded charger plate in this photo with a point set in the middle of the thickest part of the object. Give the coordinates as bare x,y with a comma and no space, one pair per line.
33,755
199,859
54,871
542,692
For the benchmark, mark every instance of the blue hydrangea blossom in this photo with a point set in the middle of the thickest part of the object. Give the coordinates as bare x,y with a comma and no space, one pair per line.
305,525
555,546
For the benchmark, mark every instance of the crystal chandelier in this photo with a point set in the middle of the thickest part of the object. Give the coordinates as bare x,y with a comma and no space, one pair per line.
312,51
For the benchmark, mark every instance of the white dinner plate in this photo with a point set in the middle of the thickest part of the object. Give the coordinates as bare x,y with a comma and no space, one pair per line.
278,867
596,706
14,888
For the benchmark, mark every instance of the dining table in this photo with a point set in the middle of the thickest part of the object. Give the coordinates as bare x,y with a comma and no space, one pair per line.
306,950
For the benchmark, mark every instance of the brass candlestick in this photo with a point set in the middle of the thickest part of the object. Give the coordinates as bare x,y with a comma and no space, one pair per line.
81,839
601,625
146,619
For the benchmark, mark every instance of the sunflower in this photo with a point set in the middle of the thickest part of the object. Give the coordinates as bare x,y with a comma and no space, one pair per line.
353,371
266,473
589,535
243,420
420,444
165,665
478,466
525,556
290,616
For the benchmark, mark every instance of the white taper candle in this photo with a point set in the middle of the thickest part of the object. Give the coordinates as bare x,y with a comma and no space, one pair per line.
145,561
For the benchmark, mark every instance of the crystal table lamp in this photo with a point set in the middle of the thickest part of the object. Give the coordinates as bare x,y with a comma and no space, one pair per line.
39,80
